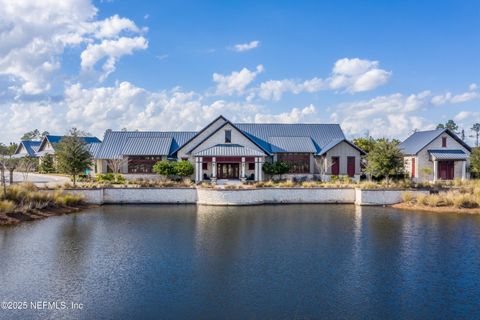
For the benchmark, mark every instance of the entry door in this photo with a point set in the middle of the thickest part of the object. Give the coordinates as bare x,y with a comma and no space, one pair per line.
351,166
228,171
335,166
446,170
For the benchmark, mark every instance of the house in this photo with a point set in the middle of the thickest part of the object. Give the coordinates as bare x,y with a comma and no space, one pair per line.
436,155
224,150
27,148
49,143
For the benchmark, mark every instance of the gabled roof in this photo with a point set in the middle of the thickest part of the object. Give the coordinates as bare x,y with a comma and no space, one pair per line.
93,148
249,137
140,146
321,134
335,142
228,150
420,139
54,140
292,144
30,146
114,142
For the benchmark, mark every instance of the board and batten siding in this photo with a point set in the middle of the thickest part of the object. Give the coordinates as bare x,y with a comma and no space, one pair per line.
423,157
342,150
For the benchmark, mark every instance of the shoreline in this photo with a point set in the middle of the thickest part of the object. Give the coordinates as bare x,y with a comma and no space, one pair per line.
15,218
409,207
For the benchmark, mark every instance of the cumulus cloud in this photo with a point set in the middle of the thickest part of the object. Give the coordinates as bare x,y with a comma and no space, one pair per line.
34,35
394,115
236,82
449,97
348,75
242,47
294,115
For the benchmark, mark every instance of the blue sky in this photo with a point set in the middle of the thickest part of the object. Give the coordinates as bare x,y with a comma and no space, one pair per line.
383,67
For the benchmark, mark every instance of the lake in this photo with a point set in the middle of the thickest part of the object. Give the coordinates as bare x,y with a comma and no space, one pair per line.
255,262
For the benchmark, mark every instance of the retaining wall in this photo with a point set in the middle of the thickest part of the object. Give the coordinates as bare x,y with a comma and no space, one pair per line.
242,196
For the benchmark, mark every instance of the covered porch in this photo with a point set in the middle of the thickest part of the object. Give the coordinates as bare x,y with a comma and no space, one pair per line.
449,164
228,162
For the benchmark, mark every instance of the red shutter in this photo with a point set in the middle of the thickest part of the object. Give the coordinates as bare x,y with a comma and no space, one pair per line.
351,166
335,166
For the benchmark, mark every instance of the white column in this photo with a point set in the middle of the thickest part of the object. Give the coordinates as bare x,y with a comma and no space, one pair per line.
242,172
260,171
198,169
464,170
214,169
256,169
435,170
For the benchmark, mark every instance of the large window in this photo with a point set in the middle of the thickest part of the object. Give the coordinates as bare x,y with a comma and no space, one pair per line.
299,162
142,164
228,136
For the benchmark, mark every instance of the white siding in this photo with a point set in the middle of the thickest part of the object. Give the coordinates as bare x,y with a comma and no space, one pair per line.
214,126
343,150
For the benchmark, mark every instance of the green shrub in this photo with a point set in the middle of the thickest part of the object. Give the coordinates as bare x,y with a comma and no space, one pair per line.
110,178
183,168
165,168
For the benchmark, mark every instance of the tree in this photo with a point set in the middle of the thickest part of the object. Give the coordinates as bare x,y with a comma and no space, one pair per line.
276,168
165,168
183,168
27,165
385,160
72,154
475,161
34,135
450,125
476,129
7,161
116,165
365,143
47,164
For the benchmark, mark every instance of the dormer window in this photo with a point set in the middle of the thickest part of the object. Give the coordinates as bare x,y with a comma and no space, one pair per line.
444,142
228,136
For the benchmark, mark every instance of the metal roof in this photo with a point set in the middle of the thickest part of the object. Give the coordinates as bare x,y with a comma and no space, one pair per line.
115,141
57,139
420,139
30,146
93,148
335,142
321,134
451,154
228,150
292,144
136,146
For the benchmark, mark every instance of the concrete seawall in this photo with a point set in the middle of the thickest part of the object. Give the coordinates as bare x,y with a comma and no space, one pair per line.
236,197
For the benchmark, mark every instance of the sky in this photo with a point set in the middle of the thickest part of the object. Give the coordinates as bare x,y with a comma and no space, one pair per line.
382,68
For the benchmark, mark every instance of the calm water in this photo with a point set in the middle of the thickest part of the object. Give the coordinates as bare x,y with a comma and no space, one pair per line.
260,262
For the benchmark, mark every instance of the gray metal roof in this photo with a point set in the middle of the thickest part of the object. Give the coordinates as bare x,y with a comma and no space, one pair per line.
292,144
420,139
93,148
335,142
228,150
321,134
137,146
30,146
452,154
114,142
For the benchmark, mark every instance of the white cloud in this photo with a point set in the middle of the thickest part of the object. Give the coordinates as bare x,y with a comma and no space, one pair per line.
391,116
236,82
293,116
113,50
34,35
242,47
449,97
349,75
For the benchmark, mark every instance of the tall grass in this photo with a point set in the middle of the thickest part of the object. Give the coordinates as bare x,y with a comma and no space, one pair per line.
27,197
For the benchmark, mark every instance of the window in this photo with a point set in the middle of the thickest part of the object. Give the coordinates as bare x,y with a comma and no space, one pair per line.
228,136
142,164
251,166
204,166
444,142
299,162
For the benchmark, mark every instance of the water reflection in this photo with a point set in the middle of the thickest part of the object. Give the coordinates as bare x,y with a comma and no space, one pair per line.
246,262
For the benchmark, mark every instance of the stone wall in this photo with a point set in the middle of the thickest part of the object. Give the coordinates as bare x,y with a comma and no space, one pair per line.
242,196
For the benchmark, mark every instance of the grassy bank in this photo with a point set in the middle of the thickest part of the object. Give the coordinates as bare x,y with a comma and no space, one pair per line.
464,198
25,202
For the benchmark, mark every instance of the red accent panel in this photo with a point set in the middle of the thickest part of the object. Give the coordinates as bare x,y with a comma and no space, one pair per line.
229,159
351,166
335,166
413,168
